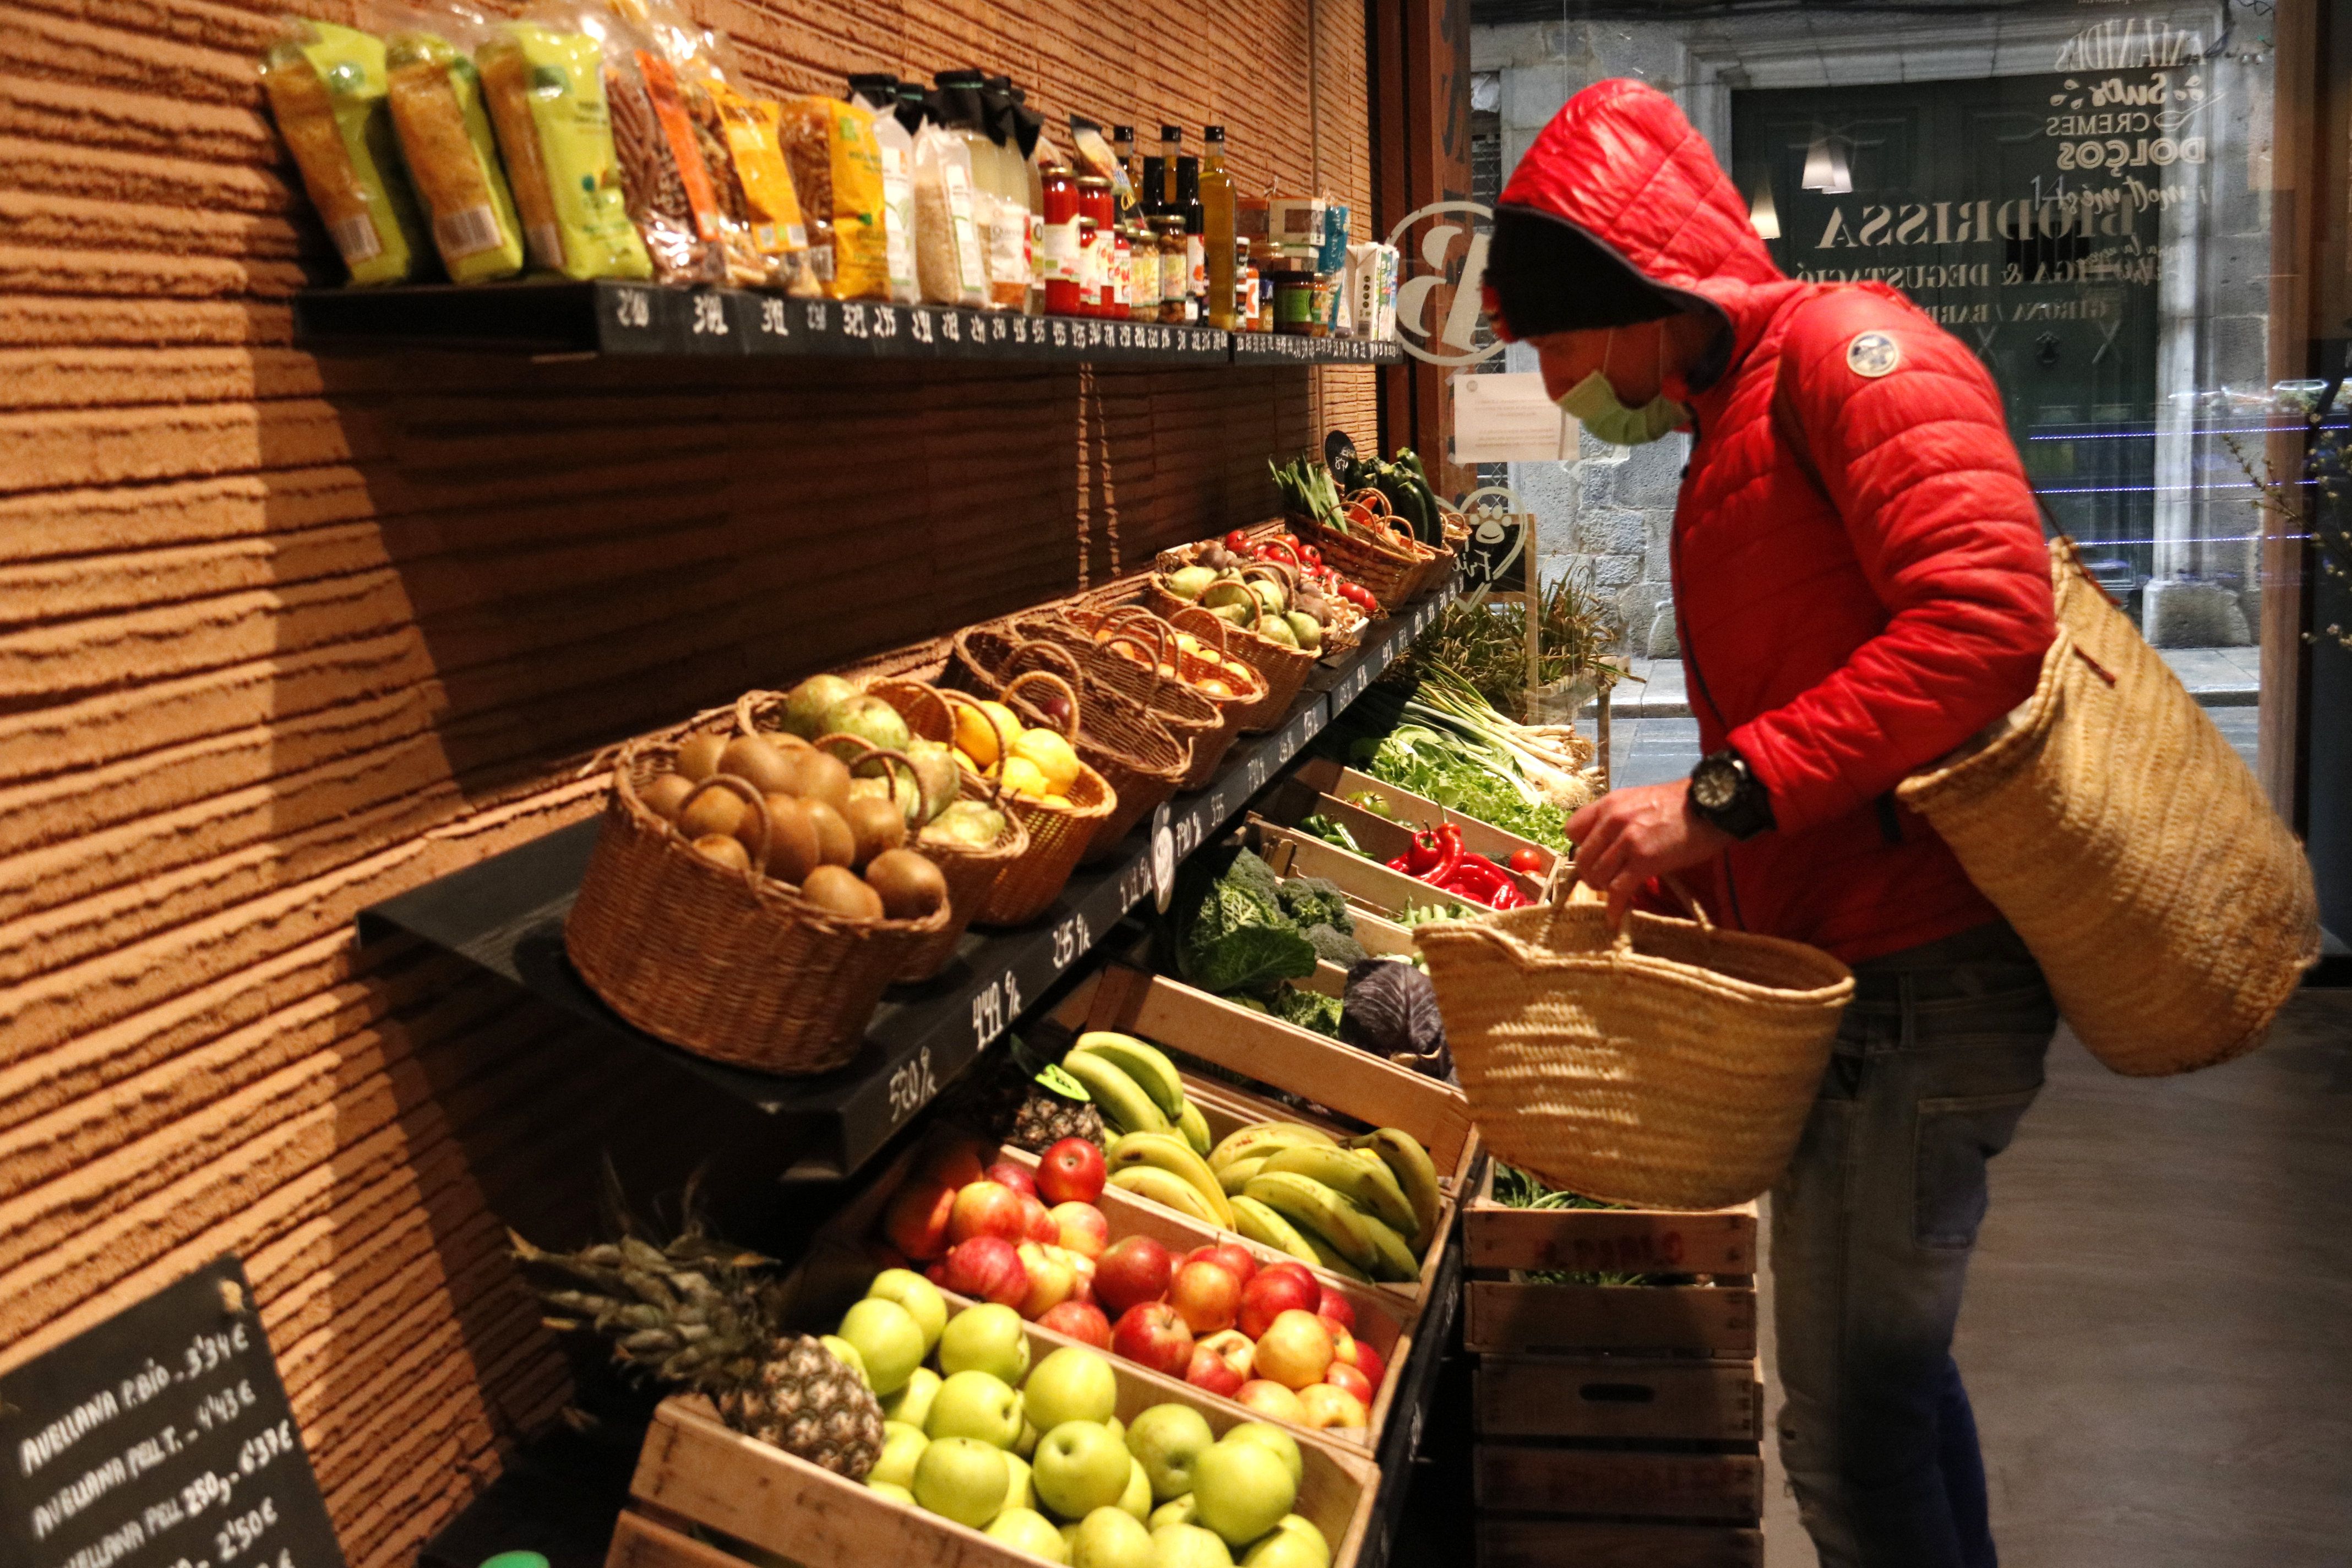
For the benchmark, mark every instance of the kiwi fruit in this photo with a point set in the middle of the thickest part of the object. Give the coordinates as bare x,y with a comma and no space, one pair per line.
725,849
910,887
875,823
666,795
820,776
843,892
836,845
751,759
698,756
714,812
793,849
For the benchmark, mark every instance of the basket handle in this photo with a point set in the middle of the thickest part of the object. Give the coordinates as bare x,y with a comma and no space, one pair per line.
1158,655
952,699
749,793
917,693
1127,616
870,753
1623,941
1046,675
1192,615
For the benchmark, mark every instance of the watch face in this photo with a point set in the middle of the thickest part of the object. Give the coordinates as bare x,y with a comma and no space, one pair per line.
1715,784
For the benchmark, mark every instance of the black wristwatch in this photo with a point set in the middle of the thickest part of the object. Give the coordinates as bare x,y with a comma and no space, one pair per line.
1726,793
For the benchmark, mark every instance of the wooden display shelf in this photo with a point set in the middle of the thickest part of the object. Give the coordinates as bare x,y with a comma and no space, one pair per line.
1549,1542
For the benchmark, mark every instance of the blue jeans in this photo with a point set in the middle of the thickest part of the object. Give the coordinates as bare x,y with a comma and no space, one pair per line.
1937,1058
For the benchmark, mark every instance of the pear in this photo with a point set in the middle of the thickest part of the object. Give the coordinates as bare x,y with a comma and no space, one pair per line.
1190,582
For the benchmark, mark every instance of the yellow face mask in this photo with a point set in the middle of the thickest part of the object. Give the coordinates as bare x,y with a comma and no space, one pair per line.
1595,405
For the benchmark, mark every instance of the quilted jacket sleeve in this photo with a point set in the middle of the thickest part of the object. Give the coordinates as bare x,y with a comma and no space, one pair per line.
1918,462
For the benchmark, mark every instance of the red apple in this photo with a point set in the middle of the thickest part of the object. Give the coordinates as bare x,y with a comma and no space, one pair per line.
1367,1361
1275,1291
1043,1227
1150,1332
1131,1273
1083,1228
1235,1258
1340,1376
1209,1370
1005,1174
1233,1347
1323,1406
917,1223
988,1268
1082,1321
1052,1280
1272,1401
988,1208
1300,1272
1295,1350
1071,1172
937,1275
954,1164
1206,1295
1335,1308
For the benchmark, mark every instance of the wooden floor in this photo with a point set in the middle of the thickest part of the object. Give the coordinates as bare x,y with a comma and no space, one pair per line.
2157,1335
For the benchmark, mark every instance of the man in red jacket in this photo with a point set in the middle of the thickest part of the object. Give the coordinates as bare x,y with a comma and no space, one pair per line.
1861,586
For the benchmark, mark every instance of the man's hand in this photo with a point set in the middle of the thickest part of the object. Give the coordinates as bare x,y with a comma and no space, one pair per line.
1629,836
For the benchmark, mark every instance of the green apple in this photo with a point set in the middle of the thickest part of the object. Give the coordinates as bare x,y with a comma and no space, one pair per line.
961,1479
1275,1438
889,1339
894,1491
1188,1546
974,1404
1080,1467
912,1404
1242,1489
1026,1530
1168,1438
1295,1542
1175,1510
1108,1538
919,1296
1025,1444
1073,1383
1136,1501
901,1446
1017,1493
846,1354
1070,1536
987,1338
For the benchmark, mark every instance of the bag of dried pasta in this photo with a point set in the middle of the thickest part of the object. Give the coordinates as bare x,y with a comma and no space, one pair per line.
445,141
544,83
664,176
326,85
837,169
766,242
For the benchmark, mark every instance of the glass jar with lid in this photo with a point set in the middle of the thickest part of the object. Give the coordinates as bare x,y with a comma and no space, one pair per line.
1173,272
1143,244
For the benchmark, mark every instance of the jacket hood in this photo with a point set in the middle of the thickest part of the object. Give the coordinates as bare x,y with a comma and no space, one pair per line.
1621,197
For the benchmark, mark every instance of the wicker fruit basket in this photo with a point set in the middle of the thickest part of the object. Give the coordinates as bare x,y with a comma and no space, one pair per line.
729,964
1059,835
1210,723
1283,668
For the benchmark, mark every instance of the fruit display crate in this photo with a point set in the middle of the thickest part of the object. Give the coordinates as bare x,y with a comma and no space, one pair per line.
1381,839
646,319
1340,787
506,913
1615,1422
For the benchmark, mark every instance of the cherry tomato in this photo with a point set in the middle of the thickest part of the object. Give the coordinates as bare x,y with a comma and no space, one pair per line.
1527,861
1238,540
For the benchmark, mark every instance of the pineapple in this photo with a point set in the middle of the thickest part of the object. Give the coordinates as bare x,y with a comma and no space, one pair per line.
694,1315
1043,1119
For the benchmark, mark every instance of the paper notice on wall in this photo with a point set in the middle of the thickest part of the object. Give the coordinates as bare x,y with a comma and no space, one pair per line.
1509,419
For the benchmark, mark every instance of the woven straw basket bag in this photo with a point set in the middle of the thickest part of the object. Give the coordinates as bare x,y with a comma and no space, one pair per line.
1667,1065
2171,910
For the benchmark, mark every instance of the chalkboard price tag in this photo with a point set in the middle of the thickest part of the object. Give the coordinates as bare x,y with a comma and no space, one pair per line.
160,1438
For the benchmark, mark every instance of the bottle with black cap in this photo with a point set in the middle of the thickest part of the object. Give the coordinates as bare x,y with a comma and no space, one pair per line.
1187,204
1122,146
1217,227
1172,144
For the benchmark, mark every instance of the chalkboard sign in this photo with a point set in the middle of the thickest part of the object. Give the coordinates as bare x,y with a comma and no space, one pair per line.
1501,552
160,1438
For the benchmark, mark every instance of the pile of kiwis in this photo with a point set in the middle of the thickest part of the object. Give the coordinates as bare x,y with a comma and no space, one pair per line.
840,839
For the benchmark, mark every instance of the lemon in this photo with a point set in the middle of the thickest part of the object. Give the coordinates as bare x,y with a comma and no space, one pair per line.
1062,802
1025,778
1051,754
982,733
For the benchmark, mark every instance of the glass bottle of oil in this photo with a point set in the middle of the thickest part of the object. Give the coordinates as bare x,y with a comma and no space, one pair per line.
1217,224
1172,144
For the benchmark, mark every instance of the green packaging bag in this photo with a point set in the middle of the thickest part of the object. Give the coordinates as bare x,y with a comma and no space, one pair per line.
327,87
545,90
444,138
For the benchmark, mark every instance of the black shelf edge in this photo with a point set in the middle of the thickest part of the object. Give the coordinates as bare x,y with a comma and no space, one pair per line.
1415,1387
505,914
648,320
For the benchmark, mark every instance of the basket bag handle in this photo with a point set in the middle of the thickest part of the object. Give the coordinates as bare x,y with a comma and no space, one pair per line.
1048,676
953,700
749,794
1158,655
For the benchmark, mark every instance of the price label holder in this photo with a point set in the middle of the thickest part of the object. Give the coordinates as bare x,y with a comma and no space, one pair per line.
160,1438
642,318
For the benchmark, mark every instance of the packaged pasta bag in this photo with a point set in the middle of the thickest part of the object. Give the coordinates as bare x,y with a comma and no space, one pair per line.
543,79
767,242
837,169
445,141
664,176
326,85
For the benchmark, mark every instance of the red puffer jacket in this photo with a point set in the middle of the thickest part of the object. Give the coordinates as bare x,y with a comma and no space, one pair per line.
1840,632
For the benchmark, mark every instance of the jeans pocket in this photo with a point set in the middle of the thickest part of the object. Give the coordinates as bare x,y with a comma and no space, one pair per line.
1955,1137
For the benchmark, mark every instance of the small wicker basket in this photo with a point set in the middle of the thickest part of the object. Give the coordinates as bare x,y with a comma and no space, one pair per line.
731,965
1210,723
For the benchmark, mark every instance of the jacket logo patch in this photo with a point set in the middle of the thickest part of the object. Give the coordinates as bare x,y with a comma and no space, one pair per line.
1872,355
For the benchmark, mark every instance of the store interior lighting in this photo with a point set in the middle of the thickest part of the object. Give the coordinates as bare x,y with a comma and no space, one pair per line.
1762,214
1825,167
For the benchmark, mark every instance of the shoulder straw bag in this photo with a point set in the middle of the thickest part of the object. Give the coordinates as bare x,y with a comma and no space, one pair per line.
731,965
2171,910
1668,1065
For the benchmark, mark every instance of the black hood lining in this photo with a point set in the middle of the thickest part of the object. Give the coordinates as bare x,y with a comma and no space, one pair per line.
1552,275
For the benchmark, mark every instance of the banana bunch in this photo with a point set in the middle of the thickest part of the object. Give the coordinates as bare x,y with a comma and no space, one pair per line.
1136,1087
1368,1211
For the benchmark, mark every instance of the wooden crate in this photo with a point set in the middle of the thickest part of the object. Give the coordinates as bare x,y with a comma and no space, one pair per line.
1588,1544
1619,1396
696,1474
1532,1478
1327,777
1383,839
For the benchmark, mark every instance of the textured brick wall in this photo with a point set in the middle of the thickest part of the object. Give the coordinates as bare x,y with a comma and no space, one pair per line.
281,637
